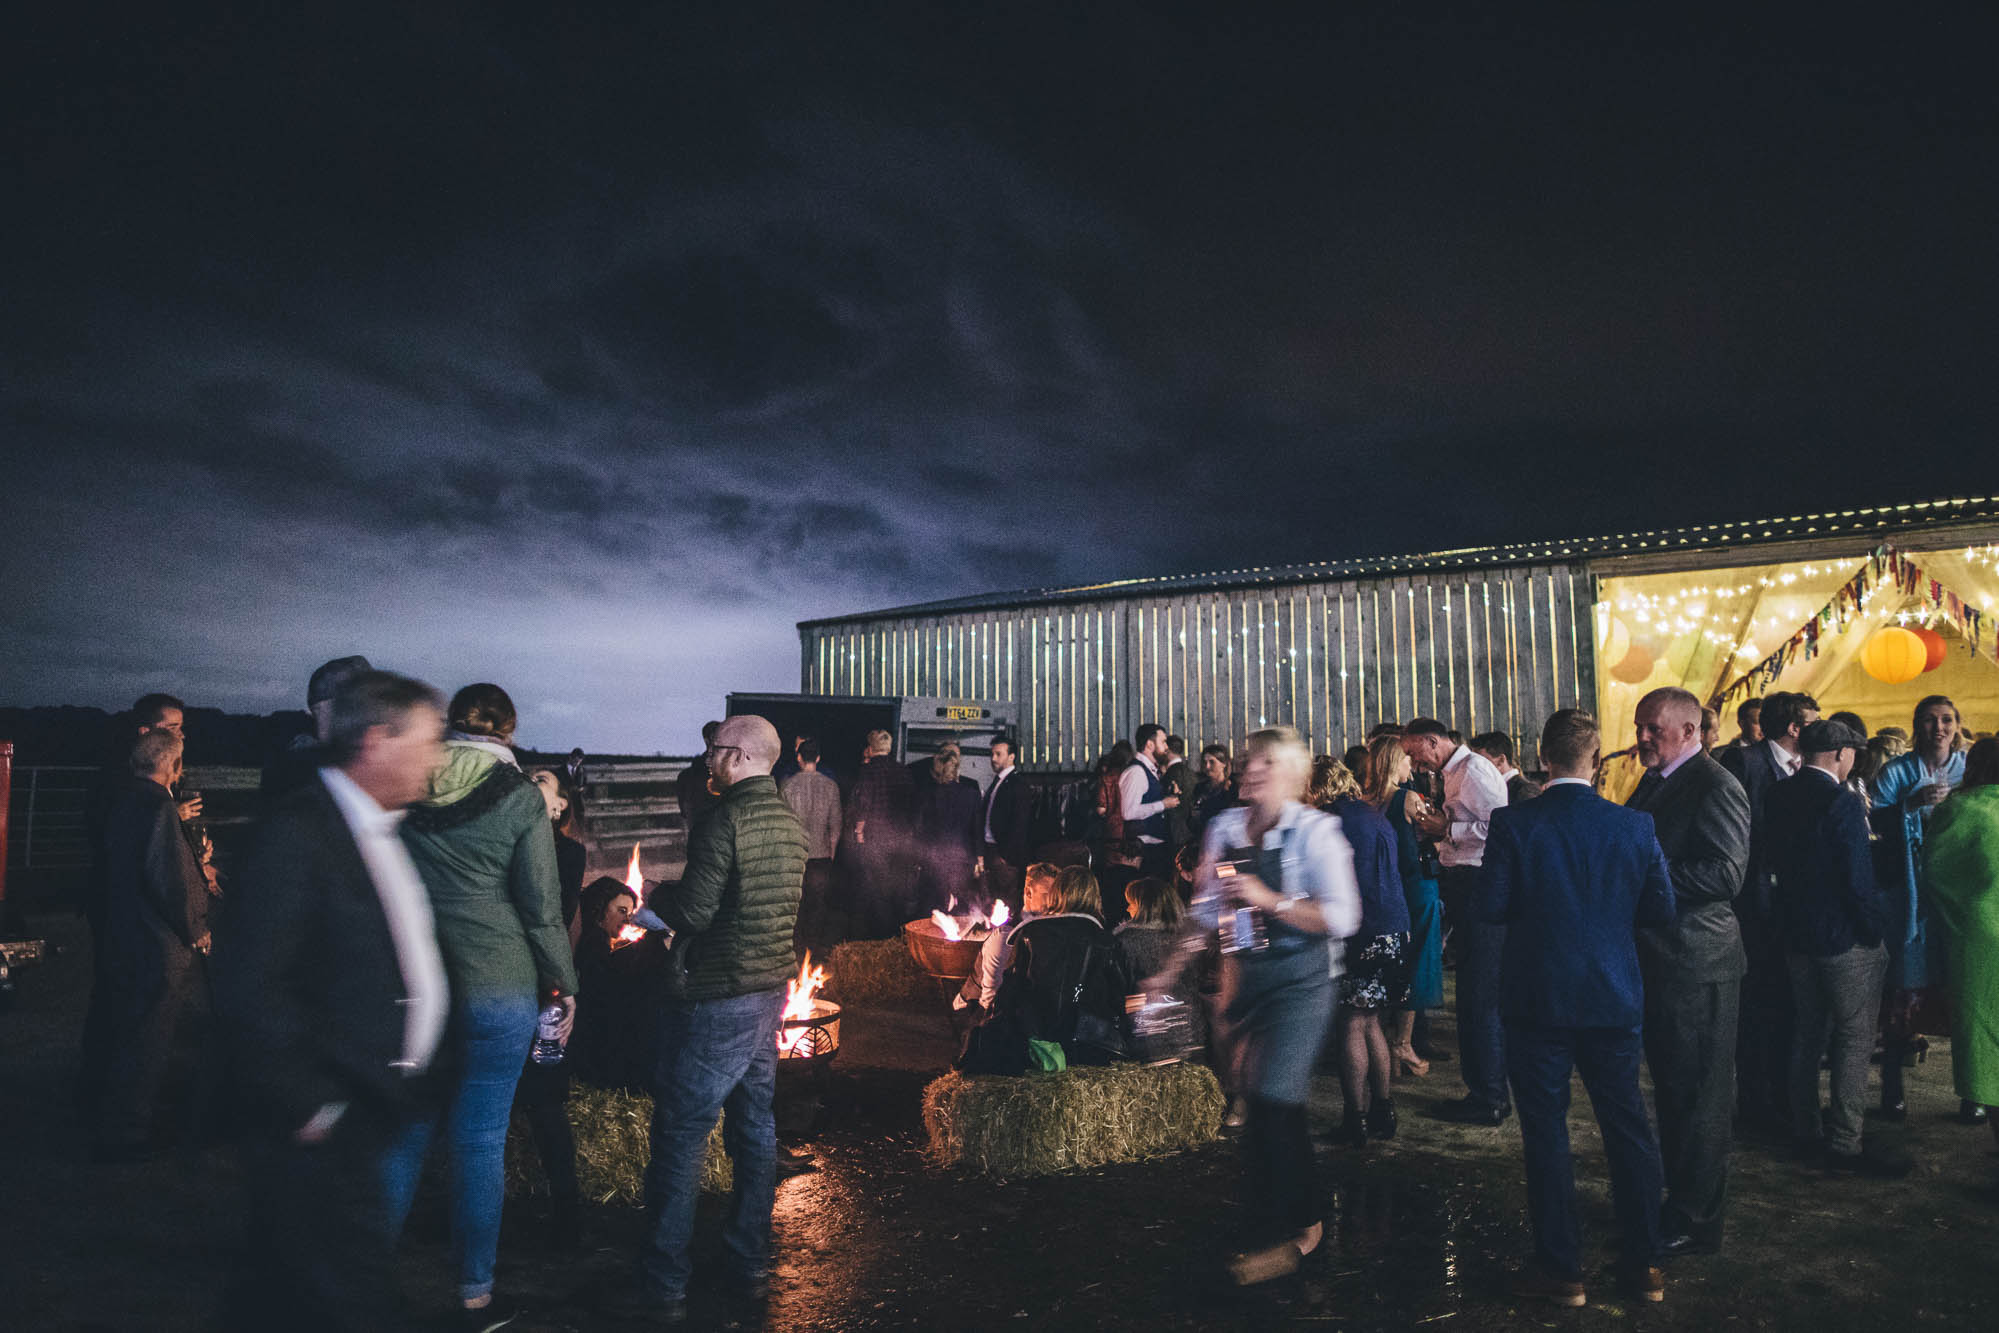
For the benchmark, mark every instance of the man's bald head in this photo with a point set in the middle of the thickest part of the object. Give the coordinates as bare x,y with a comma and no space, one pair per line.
745,746
1669,726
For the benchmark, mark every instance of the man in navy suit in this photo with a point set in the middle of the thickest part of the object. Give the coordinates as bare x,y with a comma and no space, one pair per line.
1571,876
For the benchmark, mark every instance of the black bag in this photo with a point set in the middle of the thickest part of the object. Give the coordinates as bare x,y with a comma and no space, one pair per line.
1102,1026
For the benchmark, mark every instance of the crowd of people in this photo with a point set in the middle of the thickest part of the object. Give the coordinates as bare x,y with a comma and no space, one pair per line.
407,953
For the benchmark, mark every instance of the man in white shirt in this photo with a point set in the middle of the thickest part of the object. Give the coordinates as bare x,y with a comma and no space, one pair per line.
1144,801
1473,789
332,993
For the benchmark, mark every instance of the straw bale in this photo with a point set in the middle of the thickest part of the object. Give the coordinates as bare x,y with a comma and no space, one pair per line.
613,1144
879,974
1038,1124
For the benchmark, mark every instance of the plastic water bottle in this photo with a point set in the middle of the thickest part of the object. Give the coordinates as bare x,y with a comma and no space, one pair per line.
547,1049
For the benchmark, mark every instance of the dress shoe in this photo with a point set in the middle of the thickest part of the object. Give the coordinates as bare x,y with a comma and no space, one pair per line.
1381,1119
1687,1243
1878,1163
1970,1113
1643,1284
1469,1111
1896,1111
1533,1284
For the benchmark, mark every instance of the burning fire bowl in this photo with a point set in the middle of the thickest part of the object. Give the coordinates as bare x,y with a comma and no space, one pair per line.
938,954
814,1036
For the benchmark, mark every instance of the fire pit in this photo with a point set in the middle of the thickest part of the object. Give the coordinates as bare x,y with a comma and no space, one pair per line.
808,1033
947,947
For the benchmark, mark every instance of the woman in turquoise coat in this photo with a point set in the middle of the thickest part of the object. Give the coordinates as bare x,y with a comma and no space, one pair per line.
1962,868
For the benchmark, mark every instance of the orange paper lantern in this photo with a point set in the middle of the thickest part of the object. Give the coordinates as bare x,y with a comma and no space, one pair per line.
1932,644
1894,656
1636,666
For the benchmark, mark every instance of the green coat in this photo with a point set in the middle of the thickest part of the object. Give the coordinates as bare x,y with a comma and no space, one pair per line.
736,907
1962,853
486,851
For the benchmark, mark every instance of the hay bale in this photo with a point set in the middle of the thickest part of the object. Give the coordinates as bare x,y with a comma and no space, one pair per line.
613,1143
879,974
1038,1124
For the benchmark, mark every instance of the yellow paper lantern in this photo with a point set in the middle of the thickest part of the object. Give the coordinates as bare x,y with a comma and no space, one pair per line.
1894,656
1636,666
1613,638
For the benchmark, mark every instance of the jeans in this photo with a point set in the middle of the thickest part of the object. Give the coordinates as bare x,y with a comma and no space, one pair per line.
1837,997
494,1033
1541,1060
715,1057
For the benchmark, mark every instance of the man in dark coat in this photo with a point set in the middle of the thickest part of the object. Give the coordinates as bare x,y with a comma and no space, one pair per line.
1834,916
1693,968
154,922
332,996
1009,809
299,763
875,849
1763,1037
1570,876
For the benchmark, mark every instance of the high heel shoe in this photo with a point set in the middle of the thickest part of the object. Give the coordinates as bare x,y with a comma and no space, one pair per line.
1412,1065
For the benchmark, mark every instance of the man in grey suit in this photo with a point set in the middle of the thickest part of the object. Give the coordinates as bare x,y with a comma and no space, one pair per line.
1693,968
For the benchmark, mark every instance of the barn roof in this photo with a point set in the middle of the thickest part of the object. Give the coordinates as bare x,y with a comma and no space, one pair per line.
1882,522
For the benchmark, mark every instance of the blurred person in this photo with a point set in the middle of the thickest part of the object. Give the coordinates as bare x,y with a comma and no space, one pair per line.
879,813
980,990
155,925
1145,801
1907,791
1275,868
1217,789
1472,790
1376,979
1496,747
573,771
1763,1032
571,856
482,840
1961,874
949,812
1573,878
620,985
734,915
299,763
1006,821
1833,916
1693,967
331,992
815,799
1385,778
695,787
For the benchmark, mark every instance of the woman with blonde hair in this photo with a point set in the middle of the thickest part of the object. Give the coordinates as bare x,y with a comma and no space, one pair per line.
1277,880
1386,788
1062,998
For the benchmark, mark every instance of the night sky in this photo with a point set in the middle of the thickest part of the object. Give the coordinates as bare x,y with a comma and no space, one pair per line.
586,353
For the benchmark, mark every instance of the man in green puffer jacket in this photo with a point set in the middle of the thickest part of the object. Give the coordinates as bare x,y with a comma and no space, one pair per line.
733,917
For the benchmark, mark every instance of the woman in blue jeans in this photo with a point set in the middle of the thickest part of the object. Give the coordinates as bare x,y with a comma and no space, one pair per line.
482,842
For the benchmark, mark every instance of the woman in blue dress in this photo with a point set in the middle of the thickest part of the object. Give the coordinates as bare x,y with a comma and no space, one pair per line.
1386,789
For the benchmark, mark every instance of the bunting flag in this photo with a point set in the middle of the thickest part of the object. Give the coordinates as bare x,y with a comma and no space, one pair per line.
1885,567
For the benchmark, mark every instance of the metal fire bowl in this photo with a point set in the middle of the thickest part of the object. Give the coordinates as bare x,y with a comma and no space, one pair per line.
821,1038
940,956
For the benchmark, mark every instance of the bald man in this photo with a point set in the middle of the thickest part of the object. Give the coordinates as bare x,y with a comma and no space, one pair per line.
733,914
1692,968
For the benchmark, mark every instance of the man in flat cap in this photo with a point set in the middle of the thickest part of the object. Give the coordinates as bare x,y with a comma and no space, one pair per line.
300,762
733,914
1832,914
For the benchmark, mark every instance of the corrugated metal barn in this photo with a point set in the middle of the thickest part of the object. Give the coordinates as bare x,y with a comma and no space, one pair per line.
1486,638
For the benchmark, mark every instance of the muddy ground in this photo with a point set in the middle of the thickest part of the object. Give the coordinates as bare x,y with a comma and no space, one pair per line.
1420,1230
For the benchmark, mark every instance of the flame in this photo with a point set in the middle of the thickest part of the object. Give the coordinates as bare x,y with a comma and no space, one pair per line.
1001,914
631,932
798,995
947,924
633,879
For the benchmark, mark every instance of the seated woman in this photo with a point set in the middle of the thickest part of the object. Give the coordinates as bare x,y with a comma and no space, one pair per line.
980,991
618,992
1062,998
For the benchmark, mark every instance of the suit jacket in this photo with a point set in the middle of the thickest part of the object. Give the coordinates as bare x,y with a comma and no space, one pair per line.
1011,813
308,988
155,896
1570,875
1702,819
1828,900
1758,773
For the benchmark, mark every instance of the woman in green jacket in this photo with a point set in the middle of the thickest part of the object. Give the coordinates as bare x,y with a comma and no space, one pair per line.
1962,854
482,842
